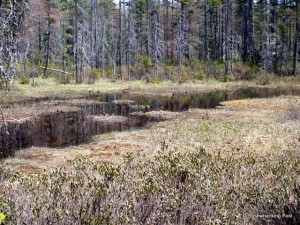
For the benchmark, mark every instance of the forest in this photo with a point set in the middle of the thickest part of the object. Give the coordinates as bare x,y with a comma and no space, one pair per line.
84,40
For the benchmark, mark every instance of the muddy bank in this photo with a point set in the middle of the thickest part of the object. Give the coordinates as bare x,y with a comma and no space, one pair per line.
58,123
228,129
70,125
51,130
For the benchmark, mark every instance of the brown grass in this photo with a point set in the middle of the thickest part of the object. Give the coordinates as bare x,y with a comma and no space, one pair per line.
235,126
274,104
48,88
247,155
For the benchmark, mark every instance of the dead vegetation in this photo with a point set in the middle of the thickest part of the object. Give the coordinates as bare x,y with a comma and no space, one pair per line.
175,187
236,164
49,89
293,112
252,129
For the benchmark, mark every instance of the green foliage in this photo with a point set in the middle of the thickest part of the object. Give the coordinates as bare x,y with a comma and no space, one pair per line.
2,218
185,1
201,75
51,19
216,2
148,62
170,70
37,57
185,77
155,80
24,80
139,71
282,27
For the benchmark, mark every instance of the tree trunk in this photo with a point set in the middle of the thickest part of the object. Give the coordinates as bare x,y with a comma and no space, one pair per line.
64,54
91,37
148,29
48,40
206,33
76,42
103,30
120,38
179,40
248,30
245,33
128,49
156,31
296,40
172,33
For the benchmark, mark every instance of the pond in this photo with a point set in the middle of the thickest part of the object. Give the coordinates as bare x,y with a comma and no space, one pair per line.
99,113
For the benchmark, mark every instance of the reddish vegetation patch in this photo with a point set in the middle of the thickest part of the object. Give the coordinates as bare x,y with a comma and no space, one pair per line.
28,169
110,150
40,156
281,103
114,147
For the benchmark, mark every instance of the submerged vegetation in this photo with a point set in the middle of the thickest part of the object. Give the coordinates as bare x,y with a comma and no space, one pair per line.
193,187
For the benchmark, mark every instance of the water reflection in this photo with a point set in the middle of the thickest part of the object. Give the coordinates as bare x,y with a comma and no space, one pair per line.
94,115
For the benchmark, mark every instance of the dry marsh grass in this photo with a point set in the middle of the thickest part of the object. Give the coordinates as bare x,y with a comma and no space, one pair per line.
254,130
232,165
48,88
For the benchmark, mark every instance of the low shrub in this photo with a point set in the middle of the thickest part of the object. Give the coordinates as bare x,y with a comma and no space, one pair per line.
242,71
176,188
292,114
24,80
91,75
64,78
4,173
264,78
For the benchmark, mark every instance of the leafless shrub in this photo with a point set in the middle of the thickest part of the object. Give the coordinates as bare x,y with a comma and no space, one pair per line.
264,78
5,173
292,114
177,188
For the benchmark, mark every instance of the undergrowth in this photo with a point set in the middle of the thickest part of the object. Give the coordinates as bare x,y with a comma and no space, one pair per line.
292,114
176,188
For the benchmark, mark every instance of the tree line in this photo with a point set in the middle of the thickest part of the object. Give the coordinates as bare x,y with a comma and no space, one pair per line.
134,39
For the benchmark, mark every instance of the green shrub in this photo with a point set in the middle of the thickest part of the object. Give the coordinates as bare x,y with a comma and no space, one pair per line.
155,80
148,62
24,80
200,75
170,70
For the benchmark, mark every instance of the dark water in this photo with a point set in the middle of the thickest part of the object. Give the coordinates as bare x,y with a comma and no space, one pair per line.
183,101
64,128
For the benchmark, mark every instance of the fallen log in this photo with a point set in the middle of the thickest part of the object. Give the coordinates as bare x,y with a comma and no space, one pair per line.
60,71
